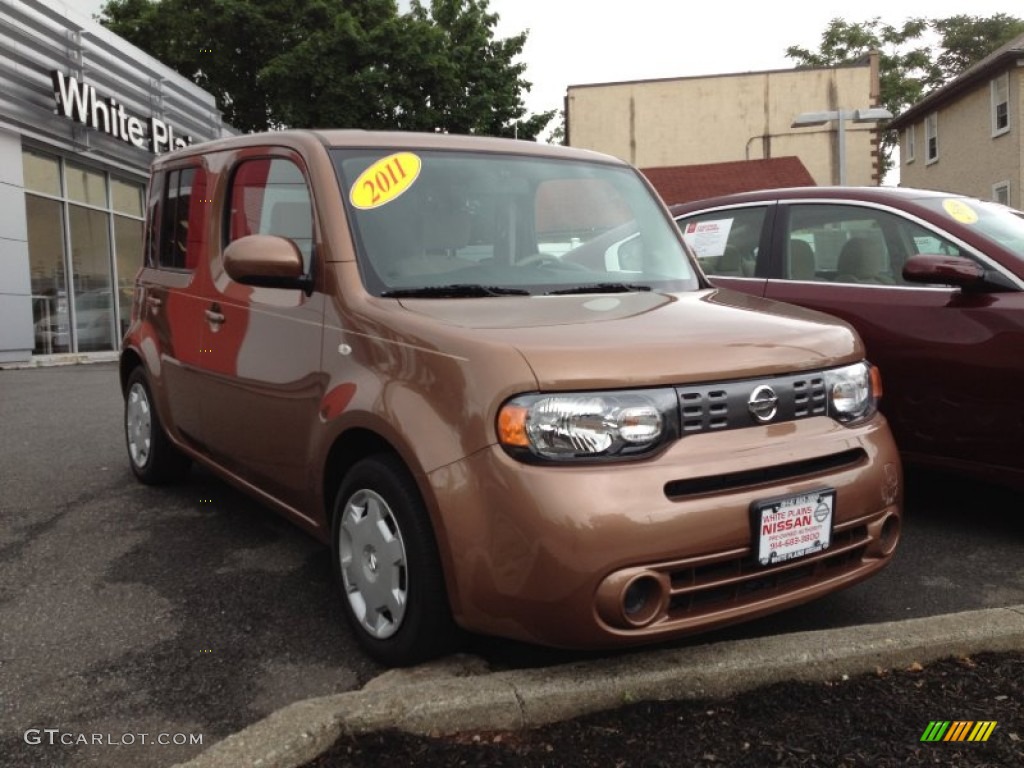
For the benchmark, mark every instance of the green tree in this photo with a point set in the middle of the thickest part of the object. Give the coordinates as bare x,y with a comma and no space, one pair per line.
353,64
558,132
908,66
904,69
966,40
473,83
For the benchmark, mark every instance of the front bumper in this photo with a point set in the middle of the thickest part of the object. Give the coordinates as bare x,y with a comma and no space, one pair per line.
546,553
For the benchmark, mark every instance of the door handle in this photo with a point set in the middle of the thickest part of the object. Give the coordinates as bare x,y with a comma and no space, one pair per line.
214,316
154,301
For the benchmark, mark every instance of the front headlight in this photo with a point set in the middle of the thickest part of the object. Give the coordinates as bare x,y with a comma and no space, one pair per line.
853,392
588,425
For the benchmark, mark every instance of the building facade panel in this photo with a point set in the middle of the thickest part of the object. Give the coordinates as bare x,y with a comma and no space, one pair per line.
723,118
1017,133
979,120
15,285
82,114
971,160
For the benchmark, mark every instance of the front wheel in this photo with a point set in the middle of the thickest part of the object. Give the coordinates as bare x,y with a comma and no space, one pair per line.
386,562
153,457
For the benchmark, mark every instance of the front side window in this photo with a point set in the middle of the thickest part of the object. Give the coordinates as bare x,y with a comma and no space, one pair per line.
1000,88
931,137
269,196
437,223
857,245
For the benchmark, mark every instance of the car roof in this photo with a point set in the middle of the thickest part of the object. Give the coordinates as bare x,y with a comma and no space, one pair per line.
898,196
397,140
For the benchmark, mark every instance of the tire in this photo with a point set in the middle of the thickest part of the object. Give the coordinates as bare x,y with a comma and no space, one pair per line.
387,565
153,457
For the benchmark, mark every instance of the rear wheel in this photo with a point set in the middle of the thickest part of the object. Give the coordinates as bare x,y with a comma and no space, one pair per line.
153,457
386,561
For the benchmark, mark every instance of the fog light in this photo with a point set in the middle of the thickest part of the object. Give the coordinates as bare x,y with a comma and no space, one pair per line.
636,597
633,598
641,600
890,534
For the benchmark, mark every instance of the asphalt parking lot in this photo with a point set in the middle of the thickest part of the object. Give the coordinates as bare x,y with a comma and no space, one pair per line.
191,611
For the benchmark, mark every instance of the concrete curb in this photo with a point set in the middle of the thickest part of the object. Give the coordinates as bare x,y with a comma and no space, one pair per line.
68,358
435,702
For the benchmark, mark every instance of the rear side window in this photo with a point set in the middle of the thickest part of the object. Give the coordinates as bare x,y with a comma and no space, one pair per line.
269,196
726,242
177,218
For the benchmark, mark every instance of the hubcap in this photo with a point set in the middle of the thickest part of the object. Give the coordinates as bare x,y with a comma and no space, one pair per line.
373,566
138,425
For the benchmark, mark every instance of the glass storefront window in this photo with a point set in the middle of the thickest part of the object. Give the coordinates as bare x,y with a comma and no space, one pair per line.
90,262
90,293
50,313
86,185
128,250
126,197
42,173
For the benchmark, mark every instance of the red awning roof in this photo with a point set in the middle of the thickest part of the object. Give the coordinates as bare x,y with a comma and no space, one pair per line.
683,183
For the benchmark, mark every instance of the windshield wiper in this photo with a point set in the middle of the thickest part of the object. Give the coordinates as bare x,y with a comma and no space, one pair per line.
600,288
457,291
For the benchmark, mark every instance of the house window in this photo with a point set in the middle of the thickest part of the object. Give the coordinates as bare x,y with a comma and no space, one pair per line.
1001,192
1001,104
909,143
931,137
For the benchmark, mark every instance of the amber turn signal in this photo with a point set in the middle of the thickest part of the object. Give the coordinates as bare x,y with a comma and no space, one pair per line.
876,382
512,426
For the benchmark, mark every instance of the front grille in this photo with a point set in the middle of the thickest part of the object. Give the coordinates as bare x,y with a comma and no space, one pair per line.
731,481
809,397
725,405
709,585
704,410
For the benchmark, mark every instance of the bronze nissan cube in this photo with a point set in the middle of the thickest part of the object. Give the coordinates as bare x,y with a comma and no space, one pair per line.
490,375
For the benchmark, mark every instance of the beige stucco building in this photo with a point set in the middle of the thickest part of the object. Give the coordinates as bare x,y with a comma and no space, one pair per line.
966,136
723,118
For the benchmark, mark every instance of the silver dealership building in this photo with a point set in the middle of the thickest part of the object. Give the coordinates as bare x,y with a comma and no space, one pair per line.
82,113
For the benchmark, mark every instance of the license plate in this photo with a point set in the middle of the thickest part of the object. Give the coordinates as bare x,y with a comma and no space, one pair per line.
793,526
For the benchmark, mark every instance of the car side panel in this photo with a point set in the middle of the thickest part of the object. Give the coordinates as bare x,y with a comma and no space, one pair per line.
261,382
950,363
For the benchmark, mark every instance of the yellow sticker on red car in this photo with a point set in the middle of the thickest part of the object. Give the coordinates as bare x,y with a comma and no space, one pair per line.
960,211
385,180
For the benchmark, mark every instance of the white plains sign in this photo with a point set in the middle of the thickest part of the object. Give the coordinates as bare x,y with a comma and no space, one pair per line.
80,102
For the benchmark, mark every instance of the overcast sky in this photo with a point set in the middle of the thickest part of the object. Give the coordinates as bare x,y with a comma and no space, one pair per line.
572,42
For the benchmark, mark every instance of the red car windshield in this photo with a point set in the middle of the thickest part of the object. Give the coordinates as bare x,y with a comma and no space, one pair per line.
998,223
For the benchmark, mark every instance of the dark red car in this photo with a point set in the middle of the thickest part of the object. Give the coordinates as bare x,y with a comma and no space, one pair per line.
933,282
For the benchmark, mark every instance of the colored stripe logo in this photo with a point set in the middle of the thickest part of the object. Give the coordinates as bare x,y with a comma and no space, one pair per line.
958,730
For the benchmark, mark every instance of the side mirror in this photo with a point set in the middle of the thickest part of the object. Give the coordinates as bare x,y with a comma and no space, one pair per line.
265,260
946,270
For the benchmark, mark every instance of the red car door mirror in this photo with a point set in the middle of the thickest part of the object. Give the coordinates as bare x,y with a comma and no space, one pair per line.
947,270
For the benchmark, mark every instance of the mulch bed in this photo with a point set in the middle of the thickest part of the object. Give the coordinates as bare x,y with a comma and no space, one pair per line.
874,720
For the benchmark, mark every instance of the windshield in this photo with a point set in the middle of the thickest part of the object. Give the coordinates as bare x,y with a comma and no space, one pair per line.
444,224
997,222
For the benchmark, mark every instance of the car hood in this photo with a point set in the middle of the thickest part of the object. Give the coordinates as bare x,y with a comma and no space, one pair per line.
648,338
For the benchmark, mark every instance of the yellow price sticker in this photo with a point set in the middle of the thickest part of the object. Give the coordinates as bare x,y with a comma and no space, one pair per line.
385,180
960,211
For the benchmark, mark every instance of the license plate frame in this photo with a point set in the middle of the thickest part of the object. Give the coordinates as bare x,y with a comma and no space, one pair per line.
793,526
